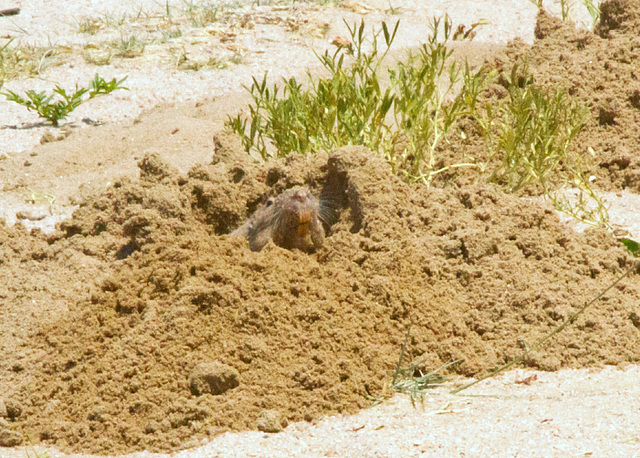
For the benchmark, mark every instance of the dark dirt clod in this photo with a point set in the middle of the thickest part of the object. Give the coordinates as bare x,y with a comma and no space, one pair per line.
9,437
13,409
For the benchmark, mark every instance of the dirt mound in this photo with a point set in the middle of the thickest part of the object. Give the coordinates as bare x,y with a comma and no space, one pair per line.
601,70
187,333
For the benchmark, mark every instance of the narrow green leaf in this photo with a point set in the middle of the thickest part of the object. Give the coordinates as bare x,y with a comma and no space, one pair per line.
386,33
632,246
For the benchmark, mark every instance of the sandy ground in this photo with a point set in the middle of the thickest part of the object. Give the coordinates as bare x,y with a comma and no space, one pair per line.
574,412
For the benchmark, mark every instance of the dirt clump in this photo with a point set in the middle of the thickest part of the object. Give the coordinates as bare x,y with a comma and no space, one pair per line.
9,437
271,421
214,378
294,336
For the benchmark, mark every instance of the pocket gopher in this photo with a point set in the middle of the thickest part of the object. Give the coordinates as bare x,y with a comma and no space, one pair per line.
294,219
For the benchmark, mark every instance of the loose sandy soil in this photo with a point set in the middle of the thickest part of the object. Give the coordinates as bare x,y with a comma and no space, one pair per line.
109,317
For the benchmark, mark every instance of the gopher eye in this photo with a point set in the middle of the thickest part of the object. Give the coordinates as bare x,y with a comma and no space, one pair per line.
270,202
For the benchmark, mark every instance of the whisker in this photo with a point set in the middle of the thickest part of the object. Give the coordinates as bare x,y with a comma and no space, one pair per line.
328,212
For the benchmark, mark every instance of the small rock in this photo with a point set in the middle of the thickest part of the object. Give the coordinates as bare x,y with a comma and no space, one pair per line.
14,409
215,378
30,215
271,421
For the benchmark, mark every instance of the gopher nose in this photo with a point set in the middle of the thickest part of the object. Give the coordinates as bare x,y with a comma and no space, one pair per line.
301,195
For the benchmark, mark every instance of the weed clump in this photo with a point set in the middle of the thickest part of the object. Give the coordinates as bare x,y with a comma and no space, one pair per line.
407,121
22,60
55,110
530,135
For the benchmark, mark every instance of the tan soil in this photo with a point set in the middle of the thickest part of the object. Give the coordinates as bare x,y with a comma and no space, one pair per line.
105,321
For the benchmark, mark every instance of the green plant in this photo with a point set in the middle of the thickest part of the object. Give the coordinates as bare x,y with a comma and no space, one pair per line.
579,200
565,9
348,107
170,34
54,110
415,383
202,13
115,22
167,9
594,11
129,46
393,10
567,5
535,129
90,25
425,107
632,246
183,62
406,122
530,137
412,380
38,197
36,454
95,55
